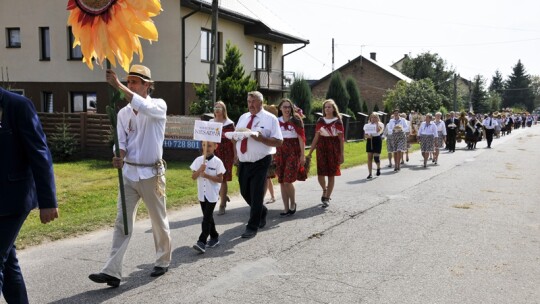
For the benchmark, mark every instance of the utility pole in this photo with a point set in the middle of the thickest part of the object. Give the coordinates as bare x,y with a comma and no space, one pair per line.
455,92
213,50
332,54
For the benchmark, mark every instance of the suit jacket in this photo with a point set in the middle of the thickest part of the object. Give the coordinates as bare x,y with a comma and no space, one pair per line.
449,121
26,171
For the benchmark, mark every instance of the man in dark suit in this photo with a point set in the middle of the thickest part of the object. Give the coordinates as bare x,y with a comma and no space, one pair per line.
26,182
452,125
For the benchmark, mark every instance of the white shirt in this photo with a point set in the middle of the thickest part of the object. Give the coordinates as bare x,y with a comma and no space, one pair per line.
407,129
426,129
287,131
205,187
393,123
264,122
441,126
141,135
227,121
490,123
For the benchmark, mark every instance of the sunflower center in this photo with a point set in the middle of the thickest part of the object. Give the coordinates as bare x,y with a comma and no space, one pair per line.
95,7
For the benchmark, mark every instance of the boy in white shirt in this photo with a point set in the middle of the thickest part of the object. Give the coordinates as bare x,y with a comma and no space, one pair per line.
208,170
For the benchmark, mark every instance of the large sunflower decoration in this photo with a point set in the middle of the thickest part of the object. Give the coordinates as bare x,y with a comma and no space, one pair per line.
109,29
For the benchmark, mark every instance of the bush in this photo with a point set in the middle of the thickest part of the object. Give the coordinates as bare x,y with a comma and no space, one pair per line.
351,114
63,144
316,106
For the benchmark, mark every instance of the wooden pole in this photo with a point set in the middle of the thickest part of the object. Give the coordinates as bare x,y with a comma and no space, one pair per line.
111,111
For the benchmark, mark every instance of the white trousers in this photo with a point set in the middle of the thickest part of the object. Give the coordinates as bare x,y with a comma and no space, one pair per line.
156,204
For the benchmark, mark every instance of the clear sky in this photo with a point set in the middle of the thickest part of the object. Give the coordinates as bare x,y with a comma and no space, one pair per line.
473,36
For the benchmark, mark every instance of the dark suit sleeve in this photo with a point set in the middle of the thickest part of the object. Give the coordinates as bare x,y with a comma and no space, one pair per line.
34,145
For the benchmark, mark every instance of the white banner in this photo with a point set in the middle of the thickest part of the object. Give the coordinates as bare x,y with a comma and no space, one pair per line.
207,131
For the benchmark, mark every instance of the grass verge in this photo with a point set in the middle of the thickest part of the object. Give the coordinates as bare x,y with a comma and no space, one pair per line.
87,192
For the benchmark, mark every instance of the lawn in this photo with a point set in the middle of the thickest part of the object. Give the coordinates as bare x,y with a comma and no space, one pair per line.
87,192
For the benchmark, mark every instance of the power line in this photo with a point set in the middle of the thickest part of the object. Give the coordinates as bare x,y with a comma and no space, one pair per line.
443,45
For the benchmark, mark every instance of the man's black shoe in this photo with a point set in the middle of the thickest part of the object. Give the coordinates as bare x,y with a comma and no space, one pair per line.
159,271
249,234
104,278
262,223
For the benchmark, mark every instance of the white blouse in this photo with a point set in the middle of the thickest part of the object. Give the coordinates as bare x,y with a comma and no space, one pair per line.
426,129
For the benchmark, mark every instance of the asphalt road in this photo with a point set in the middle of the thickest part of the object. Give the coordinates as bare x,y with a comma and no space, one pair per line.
464,231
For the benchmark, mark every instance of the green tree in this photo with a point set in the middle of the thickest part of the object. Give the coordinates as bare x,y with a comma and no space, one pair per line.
301,95
232,85
535,85
479,96
517,90
62,142
497,83
494,101
431,66
337,92
418,95
355,101
365,109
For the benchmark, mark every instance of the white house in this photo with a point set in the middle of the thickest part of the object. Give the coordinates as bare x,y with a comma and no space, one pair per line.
38,61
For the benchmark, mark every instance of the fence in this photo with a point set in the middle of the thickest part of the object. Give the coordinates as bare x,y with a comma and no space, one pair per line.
93,133
354,130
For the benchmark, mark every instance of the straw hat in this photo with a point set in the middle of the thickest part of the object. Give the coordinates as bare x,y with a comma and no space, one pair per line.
141,71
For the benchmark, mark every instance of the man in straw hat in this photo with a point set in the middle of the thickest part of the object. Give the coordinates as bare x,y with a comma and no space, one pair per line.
141,131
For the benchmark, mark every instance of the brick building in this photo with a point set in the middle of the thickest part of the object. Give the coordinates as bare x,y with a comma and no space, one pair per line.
373,80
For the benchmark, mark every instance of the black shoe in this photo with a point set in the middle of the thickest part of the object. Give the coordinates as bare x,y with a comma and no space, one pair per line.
369,177
159,271
292,211
284,213
262,222
104,278
378,172
249,234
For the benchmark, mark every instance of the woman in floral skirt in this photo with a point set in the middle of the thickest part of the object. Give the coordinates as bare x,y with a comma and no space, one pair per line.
427,136
290,155
329,142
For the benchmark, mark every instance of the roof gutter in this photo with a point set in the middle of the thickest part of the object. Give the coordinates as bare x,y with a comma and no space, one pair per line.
283,61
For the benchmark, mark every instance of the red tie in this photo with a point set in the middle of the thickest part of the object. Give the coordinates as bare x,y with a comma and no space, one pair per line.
243,144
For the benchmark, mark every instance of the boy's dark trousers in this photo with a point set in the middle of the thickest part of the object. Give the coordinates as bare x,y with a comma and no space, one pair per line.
208,225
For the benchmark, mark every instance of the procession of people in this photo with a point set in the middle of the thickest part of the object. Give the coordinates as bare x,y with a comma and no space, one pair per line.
266,140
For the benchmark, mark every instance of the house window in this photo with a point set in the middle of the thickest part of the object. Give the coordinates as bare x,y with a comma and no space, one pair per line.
44,44
83,102
13,37
206,45
262,56
47,102
74,53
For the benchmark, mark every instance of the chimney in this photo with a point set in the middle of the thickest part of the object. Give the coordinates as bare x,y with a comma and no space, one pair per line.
373,56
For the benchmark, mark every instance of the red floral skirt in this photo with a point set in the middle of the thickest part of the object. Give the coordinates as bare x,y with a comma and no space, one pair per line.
328,152
225,152
288,160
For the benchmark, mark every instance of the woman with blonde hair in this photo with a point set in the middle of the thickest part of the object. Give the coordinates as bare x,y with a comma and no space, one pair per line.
372,133
329,142
290,155
224,151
